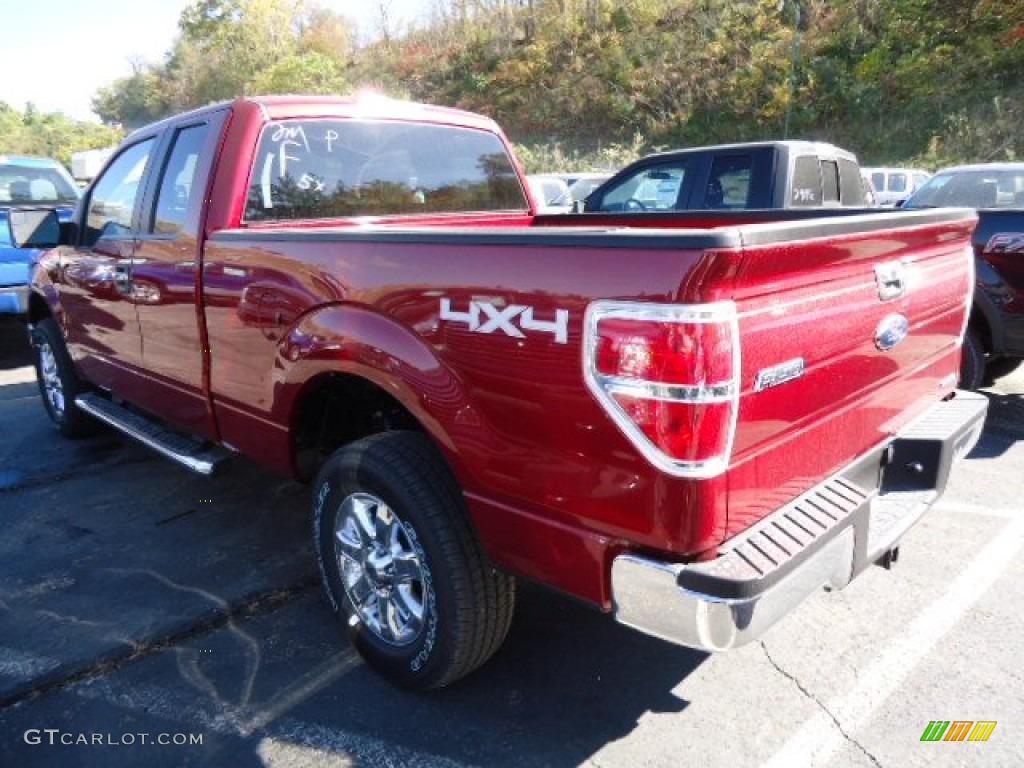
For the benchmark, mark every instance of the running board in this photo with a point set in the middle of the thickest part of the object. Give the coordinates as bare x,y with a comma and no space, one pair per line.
187,451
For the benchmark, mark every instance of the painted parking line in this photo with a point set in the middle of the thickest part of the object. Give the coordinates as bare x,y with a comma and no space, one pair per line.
819,738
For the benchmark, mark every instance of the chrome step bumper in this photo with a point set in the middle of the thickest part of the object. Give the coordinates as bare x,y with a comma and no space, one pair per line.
824,537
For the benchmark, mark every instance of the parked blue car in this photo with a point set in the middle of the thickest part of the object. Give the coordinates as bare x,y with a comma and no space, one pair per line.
27,184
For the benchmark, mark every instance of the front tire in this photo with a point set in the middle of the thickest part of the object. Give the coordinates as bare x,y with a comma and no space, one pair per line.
972,362
59,385
401,564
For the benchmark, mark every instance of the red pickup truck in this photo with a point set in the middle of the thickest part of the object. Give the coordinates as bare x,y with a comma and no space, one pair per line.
692,421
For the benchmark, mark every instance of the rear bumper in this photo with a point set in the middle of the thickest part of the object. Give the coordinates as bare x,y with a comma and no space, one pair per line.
14,300
826,536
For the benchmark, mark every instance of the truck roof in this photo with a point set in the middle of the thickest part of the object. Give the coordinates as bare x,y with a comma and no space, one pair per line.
1007,166
791,145
29,161
367,105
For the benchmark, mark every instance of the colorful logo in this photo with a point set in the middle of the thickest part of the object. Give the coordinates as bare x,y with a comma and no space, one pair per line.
958,730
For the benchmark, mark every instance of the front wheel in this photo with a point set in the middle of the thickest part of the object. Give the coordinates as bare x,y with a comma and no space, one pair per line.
58,383
401,564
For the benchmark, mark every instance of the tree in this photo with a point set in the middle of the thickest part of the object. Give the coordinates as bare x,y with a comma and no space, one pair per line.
309,72
51,134
231,48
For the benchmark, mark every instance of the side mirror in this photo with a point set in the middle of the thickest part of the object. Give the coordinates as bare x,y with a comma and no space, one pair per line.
36,228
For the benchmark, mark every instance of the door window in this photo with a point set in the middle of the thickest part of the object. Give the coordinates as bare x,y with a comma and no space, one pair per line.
176,182
113,198
650,189
897,182
729,183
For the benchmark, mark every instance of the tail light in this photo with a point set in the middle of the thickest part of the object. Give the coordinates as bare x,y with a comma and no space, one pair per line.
668,375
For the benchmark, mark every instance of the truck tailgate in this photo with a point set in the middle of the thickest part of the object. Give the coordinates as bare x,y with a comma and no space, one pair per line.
839,352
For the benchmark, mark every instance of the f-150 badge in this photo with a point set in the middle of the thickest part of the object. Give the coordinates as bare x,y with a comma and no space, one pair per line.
1005,242
512,320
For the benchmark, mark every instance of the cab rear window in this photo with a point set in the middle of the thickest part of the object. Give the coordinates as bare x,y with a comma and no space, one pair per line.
318,169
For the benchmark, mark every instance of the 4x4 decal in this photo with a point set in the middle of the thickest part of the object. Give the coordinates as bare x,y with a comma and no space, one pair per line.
512,319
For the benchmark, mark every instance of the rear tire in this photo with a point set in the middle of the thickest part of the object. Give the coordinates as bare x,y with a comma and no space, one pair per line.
401,564
972,362
59,385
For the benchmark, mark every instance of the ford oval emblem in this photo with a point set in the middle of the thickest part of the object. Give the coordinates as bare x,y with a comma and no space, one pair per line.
891,331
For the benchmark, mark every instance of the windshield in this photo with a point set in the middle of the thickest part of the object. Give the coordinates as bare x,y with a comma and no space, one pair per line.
29,181
317,169
971,189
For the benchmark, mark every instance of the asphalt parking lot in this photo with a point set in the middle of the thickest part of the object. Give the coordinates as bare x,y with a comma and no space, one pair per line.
150,614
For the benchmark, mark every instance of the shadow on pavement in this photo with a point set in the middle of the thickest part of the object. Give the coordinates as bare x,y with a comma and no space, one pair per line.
15,351
1004,426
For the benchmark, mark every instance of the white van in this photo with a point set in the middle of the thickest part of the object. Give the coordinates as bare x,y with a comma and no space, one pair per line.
895,184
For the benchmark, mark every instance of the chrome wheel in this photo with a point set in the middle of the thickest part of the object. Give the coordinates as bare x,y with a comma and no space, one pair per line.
380,570
53,387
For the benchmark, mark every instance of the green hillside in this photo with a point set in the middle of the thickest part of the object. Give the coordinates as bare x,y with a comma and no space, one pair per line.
929,82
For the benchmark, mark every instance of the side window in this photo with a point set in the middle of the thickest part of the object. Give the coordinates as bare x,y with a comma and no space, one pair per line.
898,182
176,182
851,184
113,197
878,181
829,181
806,192
729,182
652,189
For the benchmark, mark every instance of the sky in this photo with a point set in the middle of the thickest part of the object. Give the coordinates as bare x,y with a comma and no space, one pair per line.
58,53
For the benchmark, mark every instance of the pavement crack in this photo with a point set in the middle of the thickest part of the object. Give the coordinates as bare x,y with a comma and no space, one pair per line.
820,704
246,607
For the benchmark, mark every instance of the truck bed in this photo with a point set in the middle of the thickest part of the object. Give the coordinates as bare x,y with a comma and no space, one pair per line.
544,468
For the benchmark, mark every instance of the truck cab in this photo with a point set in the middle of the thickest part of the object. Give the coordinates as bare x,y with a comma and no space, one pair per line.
770,174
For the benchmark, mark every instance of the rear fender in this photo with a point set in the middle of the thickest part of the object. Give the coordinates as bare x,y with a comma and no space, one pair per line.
354,340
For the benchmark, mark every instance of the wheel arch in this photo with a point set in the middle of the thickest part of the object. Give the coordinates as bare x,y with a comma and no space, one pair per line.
40,306
350,372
